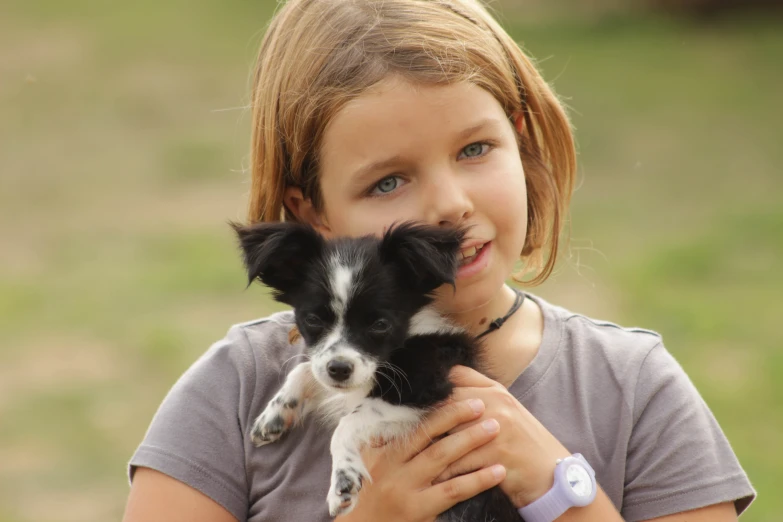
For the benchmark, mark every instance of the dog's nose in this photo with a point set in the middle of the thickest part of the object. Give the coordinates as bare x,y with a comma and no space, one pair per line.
339,369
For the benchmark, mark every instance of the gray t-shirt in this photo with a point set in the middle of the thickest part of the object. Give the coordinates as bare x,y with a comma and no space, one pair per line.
613,394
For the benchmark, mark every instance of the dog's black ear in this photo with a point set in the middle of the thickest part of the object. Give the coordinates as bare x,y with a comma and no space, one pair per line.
278,253
427,256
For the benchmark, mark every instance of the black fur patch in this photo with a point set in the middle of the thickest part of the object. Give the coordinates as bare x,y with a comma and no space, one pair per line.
425,361
344,483
276,425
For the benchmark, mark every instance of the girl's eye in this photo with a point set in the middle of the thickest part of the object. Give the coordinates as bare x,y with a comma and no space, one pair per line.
386,185
475,150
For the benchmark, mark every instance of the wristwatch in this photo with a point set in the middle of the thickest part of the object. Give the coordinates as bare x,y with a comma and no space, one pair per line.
574,487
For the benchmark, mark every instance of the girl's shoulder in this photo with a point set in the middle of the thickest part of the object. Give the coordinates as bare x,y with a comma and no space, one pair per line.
266,341
261,351
589,357
268,336
601,341
597,330
249,349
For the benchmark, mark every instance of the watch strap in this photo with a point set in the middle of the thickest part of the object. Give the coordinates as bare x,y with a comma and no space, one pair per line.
546,508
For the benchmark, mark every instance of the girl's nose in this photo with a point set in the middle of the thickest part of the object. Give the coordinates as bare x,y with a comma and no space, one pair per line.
447,202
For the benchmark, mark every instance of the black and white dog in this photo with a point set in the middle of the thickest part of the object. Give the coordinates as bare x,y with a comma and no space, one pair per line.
379,354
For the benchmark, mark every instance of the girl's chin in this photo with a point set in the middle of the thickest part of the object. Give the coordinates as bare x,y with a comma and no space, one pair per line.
464,300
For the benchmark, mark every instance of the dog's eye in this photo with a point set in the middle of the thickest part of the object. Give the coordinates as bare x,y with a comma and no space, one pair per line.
381,326
313,321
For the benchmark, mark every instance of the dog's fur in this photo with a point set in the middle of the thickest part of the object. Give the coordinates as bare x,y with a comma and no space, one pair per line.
379,354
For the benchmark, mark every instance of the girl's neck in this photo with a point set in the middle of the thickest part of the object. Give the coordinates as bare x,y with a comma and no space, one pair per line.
511,348
477,320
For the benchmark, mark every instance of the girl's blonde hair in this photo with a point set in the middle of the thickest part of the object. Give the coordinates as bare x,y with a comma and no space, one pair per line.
319,54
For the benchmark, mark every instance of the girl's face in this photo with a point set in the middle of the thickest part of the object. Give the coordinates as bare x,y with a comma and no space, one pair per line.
446,155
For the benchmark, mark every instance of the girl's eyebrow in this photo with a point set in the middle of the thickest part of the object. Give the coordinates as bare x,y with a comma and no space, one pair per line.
367,170
486,123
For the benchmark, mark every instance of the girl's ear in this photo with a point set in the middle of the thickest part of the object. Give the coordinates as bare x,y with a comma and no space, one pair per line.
519,121
303,209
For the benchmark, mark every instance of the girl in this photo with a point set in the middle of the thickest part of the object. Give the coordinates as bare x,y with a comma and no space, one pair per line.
367,112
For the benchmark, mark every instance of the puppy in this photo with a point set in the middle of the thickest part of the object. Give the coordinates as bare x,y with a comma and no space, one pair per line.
379,354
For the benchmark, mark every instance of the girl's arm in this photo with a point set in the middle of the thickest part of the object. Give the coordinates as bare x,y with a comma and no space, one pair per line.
724,512
156,497
602,510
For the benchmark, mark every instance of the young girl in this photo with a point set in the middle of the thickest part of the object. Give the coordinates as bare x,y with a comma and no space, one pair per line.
369,112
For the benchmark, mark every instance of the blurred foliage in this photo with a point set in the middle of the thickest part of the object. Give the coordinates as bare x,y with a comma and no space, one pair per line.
694,10
123,149
715,7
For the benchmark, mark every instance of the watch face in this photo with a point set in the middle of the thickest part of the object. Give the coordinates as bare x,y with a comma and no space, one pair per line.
579,480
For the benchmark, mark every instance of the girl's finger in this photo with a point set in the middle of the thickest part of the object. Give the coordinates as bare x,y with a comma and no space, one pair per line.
446,494
464,376
431,462
460,394
473,461
441,421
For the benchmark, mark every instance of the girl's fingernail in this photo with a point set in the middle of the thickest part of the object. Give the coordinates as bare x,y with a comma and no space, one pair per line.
491,425
477,405
498,470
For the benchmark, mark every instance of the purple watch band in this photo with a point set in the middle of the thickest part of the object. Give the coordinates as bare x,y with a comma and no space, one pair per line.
574,486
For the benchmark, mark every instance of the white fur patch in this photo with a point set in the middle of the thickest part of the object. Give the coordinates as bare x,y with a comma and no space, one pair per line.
379,419
372,418
332,338
363,366
336,404
429,321
340,280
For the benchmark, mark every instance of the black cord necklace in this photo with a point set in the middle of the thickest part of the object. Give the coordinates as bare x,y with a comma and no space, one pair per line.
497,323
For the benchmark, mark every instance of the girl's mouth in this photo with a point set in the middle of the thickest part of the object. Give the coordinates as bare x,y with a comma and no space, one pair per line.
468,255
474,260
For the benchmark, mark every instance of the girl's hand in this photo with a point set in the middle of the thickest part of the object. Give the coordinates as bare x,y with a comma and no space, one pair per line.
403,473
523,446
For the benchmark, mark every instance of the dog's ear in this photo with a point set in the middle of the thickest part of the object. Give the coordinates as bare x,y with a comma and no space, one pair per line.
278,254
427,256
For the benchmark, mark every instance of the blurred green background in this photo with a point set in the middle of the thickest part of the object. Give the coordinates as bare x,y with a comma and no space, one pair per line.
123,152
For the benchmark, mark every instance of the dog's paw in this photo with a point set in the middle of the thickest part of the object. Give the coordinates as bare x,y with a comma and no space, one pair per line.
344,491
274,421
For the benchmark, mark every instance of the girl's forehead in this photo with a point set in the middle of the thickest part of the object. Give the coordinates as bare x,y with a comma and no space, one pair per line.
395,92
396,111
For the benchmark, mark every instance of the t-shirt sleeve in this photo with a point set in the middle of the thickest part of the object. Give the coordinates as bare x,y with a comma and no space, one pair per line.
196,436
678,457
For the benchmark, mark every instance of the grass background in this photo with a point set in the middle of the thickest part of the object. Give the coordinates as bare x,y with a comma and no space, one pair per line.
123,149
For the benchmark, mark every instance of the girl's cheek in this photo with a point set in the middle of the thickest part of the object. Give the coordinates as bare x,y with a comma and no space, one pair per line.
377,216
363,220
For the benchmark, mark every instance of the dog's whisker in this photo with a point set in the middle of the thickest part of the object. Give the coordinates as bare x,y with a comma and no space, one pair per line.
283,366
397,371
392,382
